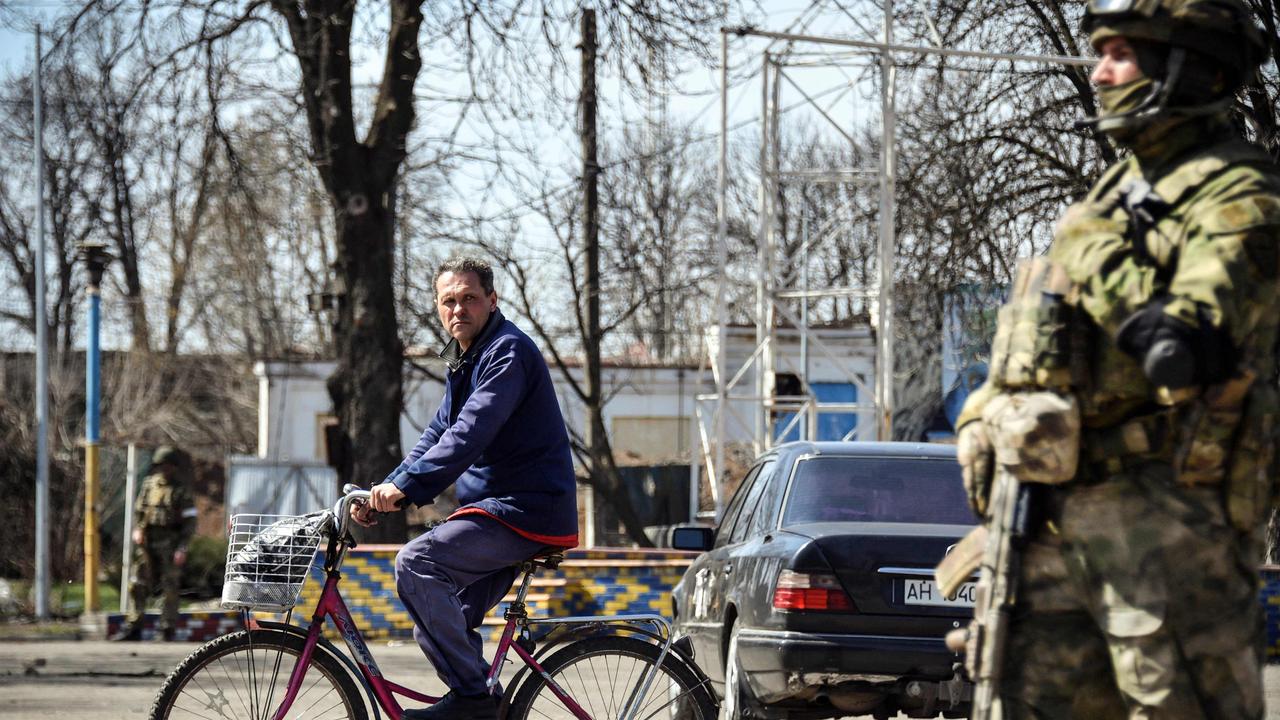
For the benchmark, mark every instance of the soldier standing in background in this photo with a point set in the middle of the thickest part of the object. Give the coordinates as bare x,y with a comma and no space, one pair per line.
1137,591
164,520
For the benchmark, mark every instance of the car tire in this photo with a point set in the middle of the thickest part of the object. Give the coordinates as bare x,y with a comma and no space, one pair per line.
734,705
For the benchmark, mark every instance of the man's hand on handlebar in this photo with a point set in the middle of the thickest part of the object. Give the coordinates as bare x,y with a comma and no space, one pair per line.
385,497
382,498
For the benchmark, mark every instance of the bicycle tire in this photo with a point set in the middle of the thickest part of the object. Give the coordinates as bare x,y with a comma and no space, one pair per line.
244,675
600,673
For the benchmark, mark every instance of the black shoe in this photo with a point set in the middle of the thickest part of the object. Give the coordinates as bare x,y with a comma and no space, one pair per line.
457,707
129,633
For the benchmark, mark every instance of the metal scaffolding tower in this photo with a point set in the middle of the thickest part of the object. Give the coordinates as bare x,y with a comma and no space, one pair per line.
751,384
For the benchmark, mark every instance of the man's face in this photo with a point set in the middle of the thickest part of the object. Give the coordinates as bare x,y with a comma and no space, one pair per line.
1117,63
464,307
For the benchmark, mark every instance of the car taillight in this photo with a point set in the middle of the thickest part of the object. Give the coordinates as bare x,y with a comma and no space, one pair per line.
802,591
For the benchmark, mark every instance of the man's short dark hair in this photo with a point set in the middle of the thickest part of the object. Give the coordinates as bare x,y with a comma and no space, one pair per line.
464,263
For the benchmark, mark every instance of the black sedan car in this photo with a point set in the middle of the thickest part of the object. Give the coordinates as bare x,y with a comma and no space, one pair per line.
815,596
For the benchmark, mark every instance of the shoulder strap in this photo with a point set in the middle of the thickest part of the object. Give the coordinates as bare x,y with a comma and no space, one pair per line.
1146,204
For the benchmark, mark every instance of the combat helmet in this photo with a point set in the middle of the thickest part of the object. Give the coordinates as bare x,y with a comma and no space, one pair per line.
166,454
1197,53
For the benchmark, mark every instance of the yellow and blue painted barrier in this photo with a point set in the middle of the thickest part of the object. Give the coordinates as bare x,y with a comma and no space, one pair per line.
599,581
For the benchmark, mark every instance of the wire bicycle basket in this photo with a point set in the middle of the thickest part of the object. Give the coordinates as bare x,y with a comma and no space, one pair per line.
268,559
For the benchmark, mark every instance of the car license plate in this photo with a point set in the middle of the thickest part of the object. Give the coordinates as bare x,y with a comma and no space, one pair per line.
926,592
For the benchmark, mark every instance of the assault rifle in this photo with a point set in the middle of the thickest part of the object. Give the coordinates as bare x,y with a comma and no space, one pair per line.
995,549
1033,426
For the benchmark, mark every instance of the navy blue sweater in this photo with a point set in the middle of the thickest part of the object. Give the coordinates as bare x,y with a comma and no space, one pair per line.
500,435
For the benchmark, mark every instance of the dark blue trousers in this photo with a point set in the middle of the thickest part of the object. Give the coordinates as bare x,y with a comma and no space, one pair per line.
449,579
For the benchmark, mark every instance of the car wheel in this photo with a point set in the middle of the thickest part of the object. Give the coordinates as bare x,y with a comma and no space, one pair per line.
734,705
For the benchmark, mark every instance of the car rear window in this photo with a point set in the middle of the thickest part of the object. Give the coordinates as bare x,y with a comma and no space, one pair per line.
859,489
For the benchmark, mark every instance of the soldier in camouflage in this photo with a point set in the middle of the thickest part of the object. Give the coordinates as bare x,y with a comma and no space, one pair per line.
164,520
1137,594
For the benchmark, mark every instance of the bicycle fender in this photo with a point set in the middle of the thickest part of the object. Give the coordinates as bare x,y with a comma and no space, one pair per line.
682,649
302,633
682,652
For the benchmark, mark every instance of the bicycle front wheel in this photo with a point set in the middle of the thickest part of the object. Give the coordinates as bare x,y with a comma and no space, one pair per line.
245,676
605,675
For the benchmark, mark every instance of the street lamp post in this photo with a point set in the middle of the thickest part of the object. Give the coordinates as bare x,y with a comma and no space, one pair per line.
96,259
42,356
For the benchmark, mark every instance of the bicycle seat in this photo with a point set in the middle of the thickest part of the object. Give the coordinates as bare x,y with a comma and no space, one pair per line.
548,557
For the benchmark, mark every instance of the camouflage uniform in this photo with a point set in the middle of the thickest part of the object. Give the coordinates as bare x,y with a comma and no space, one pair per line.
1138,592
165,513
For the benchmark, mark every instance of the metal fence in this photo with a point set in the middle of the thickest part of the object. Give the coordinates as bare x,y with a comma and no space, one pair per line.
255,485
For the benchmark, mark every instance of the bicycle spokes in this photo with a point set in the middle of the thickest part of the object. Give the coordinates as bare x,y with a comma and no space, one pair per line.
247,675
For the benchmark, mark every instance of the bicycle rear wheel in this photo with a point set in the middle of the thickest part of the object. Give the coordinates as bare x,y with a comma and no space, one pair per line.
602,674
244,676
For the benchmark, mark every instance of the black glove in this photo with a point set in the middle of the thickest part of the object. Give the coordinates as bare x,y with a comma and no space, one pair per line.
1174,354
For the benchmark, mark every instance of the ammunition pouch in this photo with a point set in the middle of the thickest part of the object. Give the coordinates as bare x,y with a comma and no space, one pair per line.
1035,435
1227,437
1251,467
1033,425
1209,426
1033,345
1114,449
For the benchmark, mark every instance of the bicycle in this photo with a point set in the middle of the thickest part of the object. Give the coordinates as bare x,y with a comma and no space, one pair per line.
586,667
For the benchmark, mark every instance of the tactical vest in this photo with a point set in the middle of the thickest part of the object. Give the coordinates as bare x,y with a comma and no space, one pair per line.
1226,432
161,503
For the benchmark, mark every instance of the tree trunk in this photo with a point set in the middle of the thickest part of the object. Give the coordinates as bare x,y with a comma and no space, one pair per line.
366,384
360,179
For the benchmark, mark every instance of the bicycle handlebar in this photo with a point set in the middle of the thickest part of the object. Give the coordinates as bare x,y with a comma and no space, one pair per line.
342,509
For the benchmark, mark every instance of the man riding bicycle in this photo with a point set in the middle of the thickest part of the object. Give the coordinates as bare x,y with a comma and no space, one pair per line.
500,436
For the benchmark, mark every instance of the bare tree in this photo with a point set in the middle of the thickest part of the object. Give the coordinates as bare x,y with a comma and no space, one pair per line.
653,217
72,201
268,244
186,150
104,53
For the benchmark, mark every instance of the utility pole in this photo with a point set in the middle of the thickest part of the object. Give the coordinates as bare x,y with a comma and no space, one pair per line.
591,238
96,258
595,437
887,242
42,359
716,475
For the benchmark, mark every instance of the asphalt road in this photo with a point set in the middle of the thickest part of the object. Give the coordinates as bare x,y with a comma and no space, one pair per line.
109,681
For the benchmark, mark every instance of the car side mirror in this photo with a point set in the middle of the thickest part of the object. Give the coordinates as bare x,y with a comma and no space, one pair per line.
692,537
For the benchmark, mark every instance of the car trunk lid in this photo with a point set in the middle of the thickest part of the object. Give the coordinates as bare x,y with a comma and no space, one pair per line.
887,568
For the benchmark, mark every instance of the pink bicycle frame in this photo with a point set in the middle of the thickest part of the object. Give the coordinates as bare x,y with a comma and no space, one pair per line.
331,605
